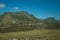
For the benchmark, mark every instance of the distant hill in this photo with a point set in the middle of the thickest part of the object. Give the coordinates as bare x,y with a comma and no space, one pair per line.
52,23
21,21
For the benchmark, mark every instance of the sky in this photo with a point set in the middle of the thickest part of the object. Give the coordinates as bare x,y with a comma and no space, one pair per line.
39,8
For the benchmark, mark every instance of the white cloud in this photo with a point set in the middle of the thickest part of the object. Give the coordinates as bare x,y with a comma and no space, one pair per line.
16,8
2,5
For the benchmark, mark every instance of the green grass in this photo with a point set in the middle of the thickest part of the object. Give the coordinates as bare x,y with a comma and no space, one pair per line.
50,34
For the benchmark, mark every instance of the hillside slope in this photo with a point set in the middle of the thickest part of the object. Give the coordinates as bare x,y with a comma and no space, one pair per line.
21,21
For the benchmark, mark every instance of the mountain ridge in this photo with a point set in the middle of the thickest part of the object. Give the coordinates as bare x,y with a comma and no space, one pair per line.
18,21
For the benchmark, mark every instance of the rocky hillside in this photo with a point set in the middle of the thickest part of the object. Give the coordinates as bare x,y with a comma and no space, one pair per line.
17,18
16,21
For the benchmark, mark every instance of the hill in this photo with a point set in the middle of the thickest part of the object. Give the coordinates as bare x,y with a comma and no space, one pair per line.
23,21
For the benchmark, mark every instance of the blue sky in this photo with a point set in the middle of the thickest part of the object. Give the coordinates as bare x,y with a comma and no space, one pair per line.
39,8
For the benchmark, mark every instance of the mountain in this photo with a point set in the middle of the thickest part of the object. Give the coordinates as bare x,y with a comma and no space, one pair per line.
52,23
23,21
17,17
16,21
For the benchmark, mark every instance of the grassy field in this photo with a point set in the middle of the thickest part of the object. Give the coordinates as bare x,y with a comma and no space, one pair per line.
48,34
